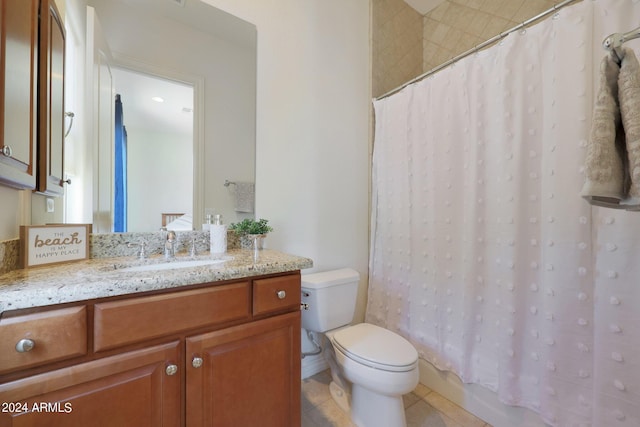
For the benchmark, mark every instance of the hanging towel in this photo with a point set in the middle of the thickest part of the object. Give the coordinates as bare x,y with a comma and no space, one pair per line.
629,99
606,153
245,196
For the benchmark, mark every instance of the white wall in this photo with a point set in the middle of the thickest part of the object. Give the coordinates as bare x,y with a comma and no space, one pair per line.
15,211
313,122
313,104
153,157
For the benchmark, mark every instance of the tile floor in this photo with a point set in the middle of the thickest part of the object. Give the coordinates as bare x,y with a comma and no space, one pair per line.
423,407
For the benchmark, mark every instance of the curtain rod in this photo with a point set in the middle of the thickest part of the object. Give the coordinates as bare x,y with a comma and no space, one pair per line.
480,46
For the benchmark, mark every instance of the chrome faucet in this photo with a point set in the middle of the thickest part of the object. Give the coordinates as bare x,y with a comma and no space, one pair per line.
170,245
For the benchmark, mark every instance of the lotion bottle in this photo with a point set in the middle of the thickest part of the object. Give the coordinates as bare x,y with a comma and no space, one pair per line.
218,236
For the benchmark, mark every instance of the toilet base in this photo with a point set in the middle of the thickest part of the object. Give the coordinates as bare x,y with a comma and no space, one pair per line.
340,396
370,409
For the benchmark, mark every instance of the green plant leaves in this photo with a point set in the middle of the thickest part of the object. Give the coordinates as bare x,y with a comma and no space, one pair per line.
251,226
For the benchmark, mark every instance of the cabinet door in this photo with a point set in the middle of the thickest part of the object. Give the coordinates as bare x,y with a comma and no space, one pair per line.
51,101
128,390
246,375
18,92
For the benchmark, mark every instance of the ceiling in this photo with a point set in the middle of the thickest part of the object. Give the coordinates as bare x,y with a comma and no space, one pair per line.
136,90
142,112
200,15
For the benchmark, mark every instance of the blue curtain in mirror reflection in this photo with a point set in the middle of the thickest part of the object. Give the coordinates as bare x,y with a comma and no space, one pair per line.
120,173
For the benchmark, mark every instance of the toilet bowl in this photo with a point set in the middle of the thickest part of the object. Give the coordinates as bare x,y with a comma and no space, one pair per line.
371,367
380,366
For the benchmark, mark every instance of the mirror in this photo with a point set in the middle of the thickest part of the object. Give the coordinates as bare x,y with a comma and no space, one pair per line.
192,44
157,118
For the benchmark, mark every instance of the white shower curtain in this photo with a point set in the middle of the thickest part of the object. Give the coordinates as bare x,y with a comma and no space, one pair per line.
483,253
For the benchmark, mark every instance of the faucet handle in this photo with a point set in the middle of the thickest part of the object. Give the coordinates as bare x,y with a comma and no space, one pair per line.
194,245
194,250
143,248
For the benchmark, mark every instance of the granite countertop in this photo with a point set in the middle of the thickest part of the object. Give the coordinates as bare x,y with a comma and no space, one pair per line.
104,277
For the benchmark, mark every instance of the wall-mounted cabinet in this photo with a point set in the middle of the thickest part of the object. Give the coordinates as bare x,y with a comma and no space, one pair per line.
18,92
32,52
50,177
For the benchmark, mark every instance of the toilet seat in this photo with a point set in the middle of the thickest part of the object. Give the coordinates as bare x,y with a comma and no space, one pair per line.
376,347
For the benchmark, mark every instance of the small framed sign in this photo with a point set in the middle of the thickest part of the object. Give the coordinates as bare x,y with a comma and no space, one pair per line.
53,244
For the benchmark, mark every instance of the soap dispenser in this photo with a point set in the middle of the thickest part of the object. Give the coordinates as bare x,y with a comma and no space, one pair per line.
218,236
207,222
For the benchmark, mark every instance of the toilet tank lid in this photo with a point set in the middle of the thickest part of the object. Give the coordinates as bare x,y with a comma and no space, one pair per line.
329,278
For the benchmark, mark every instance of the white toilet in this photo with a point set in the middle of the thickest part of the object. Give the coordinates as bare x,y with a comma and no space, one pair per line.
371,367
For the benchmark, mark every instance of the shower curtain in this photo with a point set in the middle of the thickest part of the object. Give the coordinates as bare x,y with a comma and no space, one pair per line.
483,253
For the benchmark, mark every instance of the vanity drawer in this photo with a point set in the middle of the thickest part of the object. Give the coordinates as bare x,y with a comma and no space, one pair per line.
125,322
276,294
54,335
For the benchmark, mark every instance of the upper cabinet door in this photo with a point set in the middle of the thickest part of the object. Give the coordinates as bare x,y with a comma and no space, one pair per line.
18,92
51,101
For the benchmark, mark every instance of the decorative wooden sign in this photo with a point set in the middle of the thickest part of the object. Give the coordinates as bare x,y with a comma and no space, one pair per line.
53,244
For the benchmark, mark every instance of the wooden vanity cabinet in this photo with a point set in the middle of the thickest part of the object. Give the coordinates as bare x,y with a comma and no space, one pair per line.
44,337
132,389
248,375
18,92
221,354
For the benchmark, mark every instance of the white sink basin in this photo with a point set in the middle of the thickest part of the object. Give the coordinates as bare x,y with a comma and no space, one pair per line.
176,264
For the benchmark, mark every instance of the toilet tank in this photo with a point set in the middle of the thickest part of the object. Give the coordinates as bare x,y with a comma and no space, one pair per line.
331,298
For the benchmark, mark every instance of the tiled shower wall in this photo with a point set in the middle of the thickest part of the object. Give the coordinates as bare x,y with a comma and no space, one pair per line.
396,44
448,30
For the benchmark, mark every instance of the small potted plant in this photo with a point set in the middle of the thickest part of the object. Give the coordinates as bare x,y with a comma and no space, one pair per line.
252,232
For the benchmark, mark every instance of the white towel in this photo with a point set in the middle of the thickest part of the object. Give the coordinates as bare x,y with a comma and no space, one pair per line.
182,223
245,196
629,98
606,153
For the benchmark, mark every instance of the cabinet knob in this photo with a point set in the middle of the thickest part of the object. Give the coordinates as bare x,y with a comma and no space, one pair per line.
197,362
171,369
281,294
25,345
65,181
6,150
